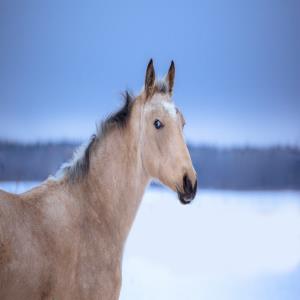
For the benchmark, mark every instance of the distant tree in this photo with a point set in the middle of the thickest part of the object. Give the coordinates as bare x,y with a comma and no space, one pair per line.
235,168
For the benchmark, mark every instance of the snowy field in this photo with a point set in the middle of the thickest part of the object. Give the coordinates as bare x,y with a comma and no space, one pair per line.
227,245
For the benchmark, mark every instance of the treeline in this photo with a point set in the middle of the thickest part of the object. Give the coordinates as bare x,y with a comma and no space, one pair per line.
247,168
30,162
224,168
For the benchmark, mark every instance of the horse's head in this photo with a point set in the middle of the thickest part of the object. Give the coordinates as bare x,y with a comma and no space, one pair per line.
165,155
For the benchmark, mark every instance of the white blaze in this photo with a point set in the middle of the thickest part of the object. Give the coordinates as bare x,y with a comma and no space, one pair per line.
168,106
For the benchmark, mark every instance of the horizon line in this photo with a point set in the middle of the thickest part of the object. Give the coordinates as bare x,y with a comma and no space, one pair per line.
199,144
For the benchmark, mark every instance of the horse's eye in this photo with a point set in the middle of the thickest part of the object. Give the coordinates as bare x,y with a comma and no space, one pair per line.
158,124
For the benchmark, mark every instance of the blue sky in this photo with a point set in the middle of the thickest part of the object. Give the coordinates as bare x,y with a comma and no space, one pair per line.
64,64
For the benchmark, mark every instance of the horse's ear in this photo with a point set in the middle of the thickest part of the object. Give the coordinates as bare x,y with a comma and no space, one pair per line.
150,79
170,77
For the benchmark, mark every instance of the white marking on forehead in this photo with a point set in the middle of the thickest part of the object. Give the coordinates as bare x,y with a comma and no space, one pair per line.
168,106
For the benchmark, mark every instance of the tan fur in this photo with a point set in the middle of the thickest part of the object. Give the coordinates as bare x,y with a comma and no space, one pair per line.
64,240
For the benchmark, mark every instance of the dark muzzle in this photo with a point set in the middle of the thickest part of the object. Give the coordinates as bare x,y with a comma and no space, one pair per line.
189,191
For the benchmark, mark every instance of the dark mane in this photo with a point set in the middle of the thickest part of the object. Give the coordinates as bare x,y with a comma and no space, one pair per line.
79,166
121,117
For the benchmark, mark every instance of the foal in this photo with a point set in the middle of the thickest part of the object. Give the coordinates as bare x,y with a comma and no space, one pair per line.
65,238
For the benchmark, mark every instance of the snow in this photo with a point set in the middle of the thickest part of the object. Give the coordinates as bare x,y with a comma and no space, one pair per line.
225,245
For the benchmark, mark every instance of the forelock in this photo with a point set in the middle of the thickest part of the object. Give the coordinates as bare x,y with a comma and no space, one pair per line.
161,87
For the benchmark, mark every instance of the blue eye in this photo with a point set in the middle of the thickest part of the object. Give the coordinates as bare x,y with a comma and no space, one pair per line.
158,124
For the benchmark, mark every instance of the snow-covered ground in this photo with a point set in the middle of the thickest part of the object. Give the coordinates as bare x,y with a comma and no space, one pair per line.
227,245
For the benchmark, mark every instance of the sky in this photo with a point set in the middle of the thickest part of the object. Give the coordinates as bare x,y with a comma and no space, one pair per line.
64,65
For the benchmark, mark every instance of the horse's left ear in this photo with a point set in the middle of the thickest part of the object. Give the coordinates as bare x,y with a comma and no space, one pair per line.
170,77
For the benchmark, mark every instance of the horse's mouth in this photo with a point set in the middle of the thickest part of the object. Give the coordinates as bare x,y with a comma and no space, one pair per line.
185,198
187,193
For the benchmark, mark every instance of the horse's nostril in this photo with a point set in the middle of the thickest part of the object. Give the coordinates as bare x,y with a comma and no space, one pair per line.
187,185
189,191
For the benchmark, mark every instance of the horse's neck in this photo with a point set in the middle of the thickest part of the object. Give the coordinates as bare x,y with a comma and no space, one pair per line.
116,182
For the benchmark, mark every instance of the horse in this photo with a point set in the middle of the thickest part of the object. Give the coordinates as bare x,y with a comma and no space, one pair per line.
65,238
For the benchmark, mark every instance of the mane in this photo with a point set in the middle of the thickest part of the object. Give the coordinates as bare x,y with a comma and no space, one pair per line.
79,165
120,118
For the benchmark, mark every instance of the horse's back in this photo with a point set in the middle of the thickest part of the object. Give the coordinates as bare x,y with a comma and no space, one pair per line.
35,246
6,202
48,248
20,266
5,196
8,205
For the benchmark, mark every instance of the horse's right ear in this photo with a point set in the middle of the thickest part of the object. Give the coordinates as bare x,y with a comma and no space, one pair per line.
150,79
